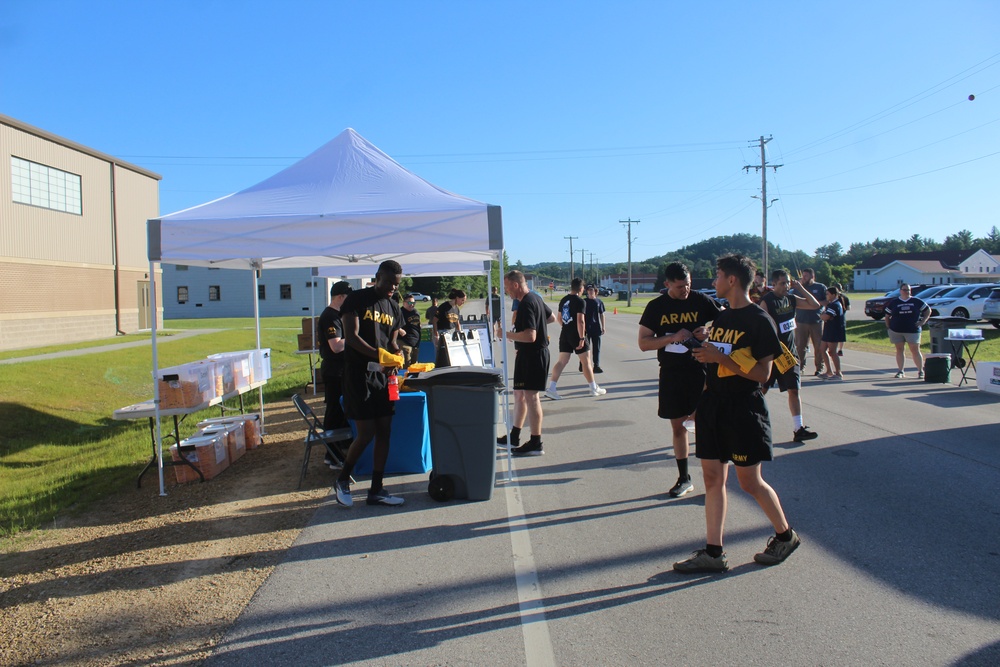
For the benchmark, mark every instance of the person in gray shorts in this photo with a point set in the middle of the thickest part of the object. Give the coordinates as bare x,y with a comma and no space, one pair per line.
905,316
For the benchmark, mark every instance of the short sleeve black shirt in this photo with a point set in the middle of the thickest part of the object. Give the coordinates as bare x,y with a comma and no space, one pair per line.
737,328
533,313
330,326
378,317
666,315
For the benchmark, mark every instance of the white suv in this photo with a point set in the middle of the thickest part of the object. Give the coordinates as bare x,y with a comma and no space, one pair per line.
963,301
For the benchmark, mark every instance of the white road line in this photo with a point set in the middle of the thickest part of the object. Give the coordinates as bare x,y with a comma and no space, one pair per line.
530,601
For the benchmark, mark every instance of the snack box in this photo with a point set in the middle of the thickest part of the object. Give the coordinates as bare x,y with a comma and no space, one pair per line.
186,386
209,454
249,422
234,435
236,369
259,362
969,334
309,325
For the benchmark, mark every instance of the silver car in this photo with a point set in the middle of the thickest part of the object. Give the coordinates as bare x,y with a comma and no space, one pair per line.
962,301
991,308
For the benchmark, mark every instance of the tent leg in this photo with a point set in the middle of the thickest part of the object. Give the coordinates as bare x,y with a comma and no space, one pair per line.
158,439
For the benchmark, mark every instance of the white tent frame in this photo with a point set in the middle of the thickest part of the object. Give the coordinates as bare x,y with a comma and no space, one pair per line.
271,225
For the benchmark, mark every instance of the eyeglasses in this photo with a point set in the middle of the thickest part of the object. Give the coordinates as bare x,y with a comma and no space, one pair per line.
412,303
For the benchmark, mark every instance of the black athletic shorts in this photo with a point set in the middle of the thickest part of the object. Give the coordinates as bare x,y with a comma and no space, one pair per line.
531,369
366,395
568,340
733,427
680,390
792,379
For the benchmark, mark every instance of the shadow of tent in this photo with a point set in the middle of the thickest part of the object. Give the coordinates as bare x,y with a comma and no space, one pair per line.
34,427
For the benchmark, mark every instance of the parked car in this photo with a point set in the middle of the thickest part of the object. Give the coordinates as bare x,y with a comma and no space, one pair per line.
963,301
875,308
417,296
991,308
604,291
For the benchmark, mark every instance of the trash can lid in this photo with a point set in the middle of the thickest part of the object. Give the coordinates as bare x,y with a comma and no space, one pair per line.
464,376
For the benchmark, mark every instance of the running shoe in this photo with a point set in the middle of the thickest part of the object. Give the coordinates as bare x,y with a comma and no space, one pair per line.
920,375
681,488
804,434
528,449
553,394
343,490
777,551
383,497
700,561
900,374
598,369
598,391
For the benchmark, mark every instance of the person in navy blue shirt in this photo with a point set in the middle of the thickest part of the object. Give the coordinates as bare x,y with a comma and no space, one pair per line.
905,316
834,333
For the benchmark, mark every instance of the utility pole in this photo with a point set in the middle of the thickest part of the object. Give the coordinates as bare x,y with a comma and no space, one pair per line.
762,168
628,227
571,255
583,267
595,280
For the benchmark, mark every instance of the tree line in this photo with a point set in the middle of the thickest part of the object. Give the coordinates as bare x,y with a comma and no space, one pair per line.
832,263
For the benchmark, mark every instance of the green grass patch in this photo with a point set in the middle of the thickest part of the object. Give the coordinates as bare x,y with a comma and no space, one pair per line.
61,451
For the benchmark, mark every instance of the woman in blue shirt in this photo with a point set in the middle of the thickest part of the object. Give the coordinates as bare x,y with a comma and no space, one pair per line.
834,333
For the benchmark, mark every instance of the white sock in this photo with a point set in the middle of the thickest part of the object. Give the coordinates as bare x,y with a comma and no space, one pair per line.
593,385
552,386
797,421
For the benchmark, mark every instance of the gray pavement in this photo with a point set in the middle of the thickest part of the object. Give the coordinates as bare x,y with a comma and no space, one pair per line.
896,503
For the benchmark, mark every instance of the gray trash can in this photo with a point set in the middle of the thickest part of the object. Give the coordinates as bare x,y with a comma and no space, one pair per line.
463,407
938,328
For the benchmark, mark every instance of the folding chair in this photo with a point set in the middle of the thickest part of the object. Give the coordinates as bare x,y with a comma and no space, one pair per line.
317,435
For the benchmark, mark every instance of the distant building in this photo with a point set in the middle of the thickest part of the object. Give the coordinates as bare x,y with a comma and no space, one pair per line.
73,263
642,282
881,273
200,292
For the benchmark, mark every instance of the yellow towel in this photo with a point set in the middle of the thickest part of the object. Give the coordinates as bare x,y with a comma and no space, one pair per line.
388,359
743,359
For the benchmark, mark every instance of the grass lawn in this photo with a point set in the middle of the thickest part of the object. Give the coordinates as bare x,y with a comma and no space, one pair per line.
59,447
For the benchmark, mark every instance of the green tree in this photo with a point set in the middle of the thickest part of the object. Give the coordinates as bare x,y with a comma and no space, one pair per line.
963,240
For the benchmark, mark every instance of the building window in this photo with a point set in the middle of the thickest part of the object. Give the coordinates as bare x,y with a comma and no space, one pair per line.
182,294
286,291
214,293
37,185
261,292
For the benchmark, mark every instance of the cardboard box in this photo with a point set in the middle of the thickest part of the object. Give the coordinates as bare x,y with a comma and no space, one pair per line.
209,454
988,376
309,325
306,342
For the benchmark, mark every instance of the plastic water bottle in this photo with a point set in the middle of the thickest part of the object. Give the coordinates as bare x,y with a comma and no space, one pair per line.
393,387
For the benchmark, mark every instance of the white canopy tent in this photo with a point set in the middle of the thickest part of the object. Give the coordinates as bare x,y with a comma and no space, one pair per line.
347,203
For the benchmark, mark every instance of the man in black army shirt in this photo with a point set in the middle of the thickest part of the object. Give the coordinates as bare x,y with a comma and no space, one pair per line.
668,325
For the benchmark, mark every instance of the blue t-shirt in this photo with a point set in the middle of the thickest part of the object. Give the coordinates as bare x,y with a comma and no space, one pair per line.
835,328
905,315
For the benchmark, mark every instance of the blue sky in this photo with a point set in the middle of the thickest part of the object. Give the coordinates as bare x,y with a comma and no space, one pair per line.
571,116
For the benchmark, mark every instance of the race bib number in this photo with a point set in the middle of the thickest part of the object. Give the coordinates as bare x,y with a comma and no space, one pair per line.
787,325
726,348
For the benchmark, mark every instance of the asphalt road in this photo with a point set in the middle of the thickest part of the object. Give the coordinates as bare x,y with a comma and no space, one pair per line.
570,564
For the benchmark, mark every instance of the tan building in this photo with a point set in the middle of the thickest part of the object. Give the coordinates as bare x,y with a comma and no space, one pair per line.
73,260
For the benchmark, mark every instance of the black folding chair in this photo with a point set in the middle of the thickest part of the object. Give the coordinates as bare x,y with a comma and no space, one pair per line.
317,435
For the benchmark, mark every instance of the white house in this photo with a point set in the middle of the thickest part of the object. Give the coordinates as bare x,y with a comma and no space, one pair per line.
881,273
